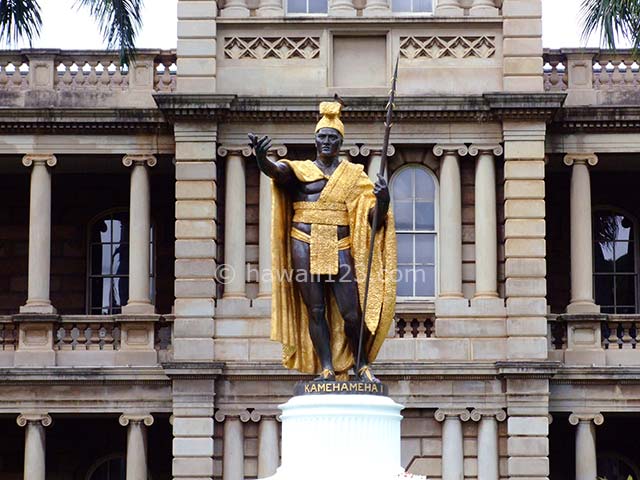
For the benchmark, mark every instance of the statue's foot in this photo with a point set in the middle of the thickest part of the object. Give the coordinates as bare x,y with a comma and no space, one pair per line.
365,374
327,375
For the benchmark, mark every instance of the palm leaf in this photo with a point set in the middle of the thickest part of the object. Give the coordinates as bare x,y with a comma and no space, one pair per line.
19,19
614,19
119,22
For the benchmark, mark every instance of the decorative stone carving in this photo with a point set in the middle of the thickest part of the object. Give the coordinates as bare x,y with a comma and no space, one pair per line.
577,417
461,413
476,148
279,48
148,160
442,148
478,413
127,418
447,47
43,418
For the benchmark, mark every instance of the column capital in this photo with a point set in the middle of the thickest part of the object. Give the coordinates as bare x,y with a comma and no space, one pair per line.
47,159
580,158
366,150
34,417
478,148
478,413
127,418
350,150
144,160
237,150
265,414
576,417
460,413
276,151
243,415
450,148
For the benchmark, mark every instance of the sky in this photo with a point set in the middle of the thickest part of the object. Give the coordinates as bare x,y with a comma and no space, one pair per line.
67,27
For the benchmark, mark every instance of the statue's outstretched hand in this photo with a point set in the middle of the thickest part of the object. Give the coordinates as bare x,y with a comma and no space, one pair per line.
260,146
381,191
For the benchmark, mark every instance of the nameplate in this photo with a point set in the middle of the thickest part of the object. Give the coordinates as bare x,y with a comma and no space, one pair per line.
340,388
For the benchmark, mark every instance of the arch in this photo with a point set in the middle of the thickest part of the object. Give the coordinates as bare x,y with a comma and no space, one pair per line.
414,198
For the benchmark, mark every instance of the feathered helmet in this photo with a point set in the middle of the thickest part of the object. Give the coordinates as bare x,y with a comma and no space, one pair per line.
330,112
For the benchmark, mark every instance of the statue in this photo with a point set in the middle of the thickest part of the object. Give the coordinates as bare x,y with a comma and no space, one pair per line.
322,214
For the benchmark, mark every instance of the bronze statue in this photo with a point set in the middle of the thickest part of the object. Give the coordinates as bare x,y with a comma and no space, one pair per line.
321,225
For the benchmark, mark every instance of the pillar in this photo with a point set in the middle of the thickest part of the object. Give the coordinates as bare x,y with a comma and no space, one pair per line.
268,446
235,8
136,444
581,236
376,8
483,8
449,8
233,446
452,442
586,455
34,444
486,226
488,450
450,232
270,8
235,223
342,8
139,233
375,158
38,293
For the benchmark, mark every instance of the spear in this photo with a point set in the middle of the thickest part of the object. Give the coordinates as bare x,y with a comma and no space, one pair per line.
374,222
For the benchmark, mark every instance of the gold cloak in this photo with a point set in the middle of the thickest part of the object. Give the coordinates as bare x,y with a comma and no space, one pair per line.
289,317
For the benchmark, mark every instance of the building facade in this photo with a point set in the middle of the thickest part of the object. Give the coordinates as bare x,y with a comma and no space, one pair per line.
135,241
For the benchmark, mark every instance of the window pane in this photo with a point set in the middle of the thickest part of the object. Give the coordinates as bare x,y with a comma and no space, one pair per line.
624,257
297,6
401,5
120,259
120,227
100,289
425,249
625,290
101,232
425,281
604,289
100,259
401,186
605,227
120,291
403,212
405,248
603,253
317,6
425,188
607,310
425,218
625,310
422,5
405,282
623,228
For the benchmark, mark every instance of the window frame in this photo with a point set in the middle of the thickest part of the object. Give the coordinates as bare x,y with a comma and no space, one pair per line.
304,14
435,232
636,250
412,13
153,277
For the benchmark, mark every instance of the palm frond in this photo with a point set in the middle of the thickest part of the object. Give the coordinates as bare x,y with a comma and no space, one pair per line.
614,19
119,22
19,19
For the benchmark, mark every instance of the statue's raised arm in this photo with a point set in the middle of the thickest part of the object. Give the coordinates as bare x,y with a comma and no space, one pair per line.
280,172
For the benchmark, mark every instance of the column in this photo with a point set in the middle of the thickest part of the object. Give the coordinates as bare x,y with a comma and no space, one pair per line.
270,8
139,233
235,223
488,452
376,8
452,442
235,8
233,447
34,444
483,8
268,446
486,226
586,455
450,232
136,444
38,296
581,239
264,227
342,8
375,158
449,8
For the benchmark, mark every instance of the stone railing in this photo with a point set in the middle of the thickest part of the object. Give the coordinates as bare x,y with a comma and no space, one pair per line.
593,76
75,78
414,325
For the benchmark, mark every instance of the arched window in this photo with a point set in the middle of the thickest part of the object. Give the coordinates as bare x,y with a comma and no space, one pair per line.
109,263
614,257
414,193
111,467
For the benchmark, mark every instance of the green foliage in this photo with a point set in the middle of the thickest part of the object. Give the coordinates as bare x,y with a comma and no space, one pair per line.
19,19
615,19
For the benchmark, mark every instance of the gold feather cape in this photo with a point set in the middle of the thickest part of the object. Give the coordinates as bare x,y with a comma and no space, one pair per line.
289,318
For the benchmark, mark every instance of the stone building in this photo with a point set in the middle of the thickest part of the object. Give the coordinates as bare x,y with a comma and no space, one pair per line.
135,246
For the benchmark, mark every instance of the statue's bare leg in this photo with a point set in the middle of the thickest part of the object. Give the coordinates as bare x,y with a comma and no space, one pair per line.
345,290
312,291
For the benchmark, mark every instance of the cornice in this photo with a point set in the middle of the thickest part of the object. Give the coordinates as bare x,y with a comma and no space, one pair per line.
596,119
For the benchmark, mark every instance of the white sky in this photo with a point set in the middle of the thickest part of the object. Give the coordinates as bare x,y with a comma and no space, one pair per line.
67,28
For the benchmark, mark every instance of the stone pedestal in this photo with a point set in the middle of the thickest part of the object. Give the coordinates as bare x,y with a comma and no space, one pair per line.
342,428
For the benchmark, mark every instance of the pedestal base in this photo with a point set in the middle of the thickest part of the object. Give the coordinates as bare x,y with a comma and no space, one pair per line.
342,437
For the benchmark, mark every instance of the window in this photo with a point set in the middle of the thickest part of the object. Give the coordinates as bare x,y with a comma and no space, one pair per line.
112,467
414,193
109,263
307,6
614,255
412,6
